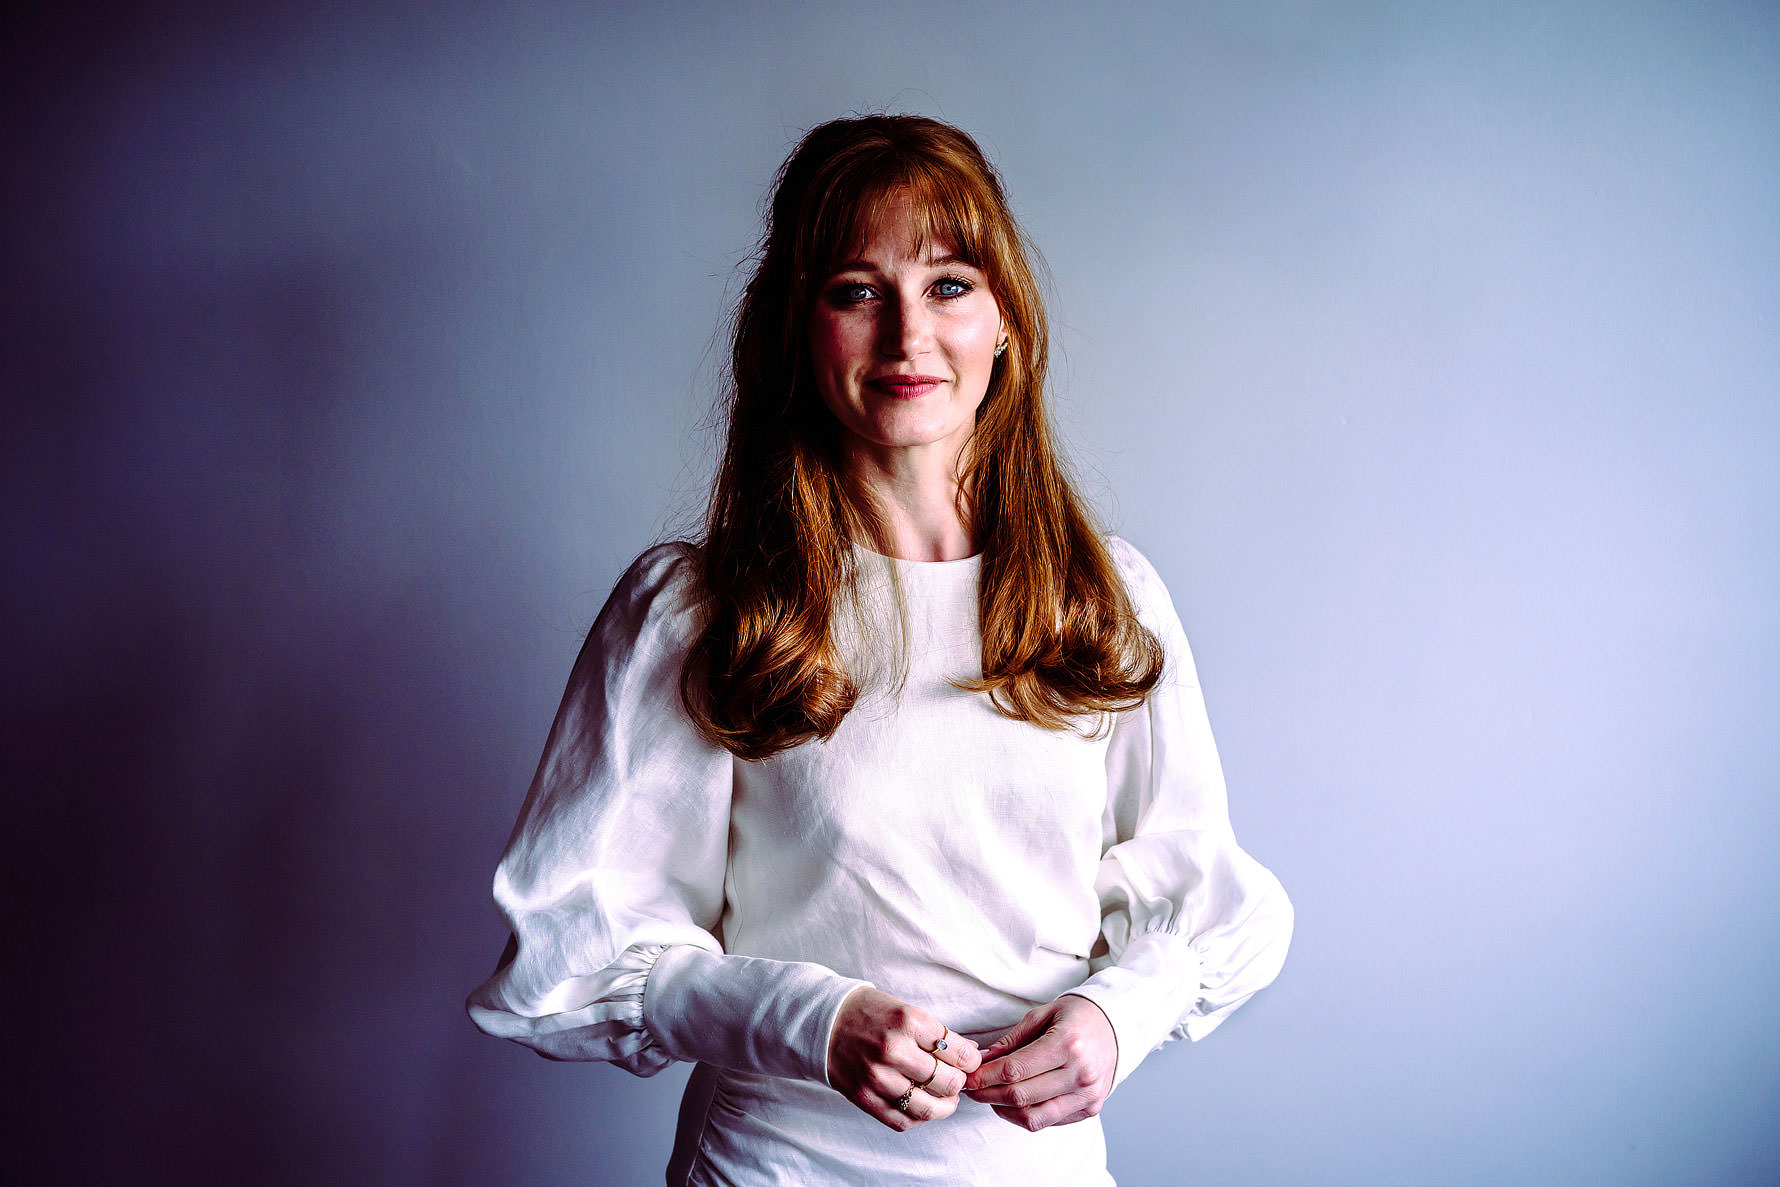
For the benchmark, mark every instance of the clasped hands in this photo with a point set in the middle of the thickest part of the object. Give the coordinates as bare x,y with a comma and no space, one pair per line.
1054,1067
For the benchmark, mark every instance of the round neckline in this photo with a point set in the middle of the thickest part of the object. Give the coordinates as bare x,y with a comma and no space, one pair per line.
974,558
926,579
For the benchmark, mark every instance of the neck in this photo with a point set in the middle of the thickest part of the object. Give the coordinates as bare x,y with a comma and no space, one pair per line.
917,492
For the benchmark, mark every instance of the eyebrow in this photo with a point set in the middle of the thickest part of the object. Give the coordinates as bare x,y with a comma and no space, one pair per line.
942,261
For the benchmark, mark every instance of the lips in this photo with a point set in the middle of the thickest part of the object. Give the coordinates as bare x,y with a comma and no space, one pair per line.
905,387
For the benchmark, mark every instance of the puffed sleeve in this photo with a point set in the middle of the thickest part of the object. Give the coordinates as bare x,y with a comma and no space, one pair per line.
612,883
1193,926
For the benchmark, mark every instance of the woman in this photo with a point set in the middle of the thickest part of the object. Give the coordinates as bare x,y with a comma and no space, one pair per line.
901,758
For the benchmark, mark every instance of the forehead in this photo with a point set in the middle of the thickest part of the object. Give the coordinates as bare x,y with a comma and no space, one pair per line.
899,232
898,223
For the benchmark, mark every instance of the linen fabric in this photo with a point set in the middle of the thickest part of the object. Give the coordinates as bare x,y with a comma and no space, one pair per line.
671,902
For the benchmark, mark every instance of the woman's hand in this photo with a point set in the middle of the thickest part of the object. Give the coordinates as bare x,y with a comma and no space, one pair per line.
1054,1067
881,1048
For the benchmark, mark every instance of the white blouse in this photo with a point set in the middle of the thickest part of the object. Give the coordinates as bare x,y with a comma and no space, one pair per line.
671,902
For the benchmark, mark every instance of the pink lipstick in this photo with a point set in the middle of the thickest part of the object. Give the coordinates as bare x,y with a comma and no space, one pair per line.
905,387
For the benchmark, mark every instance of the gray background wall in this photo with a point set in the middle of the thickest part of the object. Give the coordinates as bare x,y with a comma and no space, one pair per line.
1428,349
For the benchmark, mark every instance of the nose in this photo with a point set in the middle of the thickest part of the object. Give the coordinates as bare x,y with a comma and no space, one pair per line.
907,327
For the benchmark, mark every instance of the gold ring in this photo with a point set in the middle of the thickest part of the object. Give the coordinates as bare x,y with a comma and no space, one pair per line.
929,1079
941,1045
902,1102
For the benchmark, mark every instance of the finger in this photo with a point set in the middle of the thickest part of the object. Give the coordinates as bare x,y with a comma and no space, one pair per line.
960,1052
1062,1110
885,1111
920,1107
1092,1109
949,1082
1022,1033
878,1097
1025,1094
889,1082
936,1075
1022,1063
938,1078
924,1106
919,1062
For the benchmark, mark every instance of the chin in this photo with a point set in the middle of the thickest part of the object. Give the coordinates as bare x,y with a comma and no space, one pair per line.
906,436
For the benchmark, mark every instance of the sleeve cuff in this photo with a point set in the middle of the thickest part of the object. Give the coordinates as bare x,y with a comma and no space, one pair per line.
597,1016
1145,995
772,1017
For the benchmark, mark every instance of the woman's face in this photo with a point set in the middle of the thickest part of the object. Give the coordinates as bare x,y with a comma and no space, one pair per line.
903,342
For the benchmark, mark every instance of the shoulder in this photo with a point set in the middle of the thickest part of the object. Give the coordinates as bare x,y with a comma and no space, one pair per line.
667,570
656,603
1142,583
1154,608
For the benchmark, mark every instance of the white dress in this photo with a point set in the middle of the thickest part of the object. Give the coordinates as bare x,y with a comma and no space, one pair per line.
671,902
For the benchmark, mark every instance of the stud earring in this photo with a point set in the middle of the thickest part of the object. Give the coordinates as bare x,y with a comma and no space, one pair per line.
1001,348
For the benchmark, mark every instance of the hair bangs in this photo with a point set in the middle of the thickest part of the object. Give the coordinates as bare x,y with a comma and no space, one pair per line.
947,209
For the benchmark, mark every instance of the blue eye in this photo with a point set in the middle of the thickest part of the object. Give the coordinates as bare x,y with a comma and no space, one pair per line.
952,286
853,294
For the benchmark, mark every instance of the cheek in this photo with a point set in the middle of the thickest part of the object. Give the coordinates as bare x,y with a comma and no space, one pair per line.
975,339
833,342
829,353
822,337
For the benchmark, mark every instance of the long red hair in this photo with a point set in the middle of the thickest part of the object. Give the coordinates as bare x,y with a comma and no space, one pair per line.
1061,641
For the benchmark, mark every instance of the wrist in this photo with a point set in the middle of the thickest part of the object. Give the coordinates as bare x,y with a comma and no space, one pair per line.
1144,995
